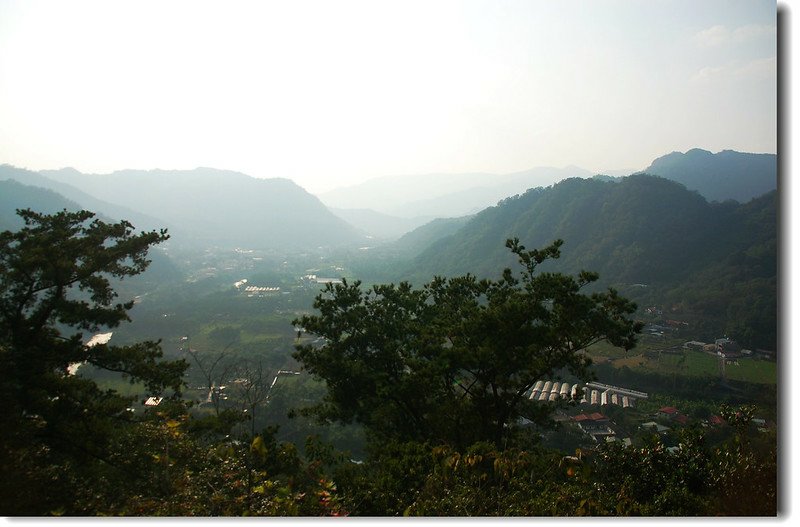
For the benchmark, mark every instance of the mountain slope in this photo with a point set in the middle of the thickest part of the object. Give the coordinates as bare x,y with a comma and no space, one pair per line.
640,230
724,175
14,195
629,229
221,207
429,234
84,199
443,195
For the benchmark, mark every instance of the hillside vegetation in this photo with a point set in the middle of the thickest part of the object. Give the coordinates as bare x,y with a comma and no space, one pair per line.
645,235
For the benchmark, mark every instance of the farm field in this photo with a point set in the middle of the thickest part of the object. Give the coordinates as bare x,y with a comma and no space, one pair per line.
691,363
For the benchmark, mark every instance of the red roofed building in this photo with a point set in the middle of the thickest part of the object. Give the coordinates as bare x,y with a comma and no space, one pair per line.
592,423
668,411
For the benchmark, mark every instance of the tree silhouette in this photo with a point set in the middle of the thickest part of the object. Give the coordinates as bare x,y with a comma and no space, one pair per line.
54,285
452,362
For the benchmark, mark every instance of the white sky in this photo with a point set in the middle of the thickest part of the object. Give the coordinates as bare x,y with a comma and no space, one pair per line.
335,92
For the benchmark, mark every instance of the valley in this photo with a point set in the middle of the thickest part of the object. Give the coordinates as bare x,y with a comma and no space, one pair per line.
518,259
227,300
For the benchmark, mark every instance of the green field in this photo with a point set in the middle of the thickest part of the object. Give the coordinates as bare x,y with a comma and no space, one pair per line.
698,363
690,364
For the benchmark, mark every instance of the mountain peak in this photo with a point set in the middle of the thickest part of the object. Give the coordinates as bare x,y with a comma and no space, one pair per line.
718,177
222,207
698,152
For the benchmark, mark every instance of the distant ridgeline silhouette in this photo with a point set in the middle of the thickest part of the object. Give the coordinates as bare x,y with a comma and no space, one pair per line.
721,176
205,205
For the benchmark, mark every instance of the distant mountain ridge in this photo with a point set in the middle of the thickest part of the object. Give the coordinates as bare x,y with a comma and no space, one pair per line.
725,175
443,195
221,207
379,225
718,177
85,199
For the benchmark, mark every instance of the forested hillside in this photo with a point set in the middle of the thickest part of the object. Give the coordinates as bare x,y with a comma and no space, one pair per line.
648,236
422,237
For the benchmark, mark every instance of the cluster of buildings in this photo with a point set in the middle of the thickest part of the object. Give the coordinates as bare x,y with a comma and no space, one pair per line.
601,428
594,393
314,279
255,290
262,291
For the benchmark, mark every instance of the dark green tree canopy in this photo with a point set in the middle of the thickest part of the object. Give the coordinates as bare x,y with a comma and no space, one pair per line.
453,362
55,284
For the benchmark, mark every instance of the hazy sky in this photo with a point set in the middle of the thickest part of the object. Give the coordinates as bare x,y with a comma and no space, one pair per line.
335,92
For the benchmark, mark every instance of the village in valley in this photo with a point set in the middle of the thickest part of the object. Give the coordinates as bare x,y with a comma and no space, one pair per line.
593,413
598,413
670,382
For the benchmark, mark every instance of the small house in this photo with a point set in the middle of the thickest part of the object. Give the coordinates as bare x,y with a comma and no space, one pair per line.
668,411
654,427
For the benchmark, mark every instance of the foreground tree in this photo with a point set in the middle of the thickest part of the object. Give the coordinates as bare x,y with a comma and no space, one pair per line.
453,362
54,286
